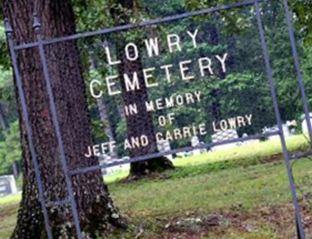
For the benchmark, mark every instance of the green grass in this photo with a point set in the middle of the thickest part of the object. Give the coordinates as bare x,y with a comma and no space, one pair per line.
234,179
10,200
244,188
258,150
252,153
255,185
117,176
8,211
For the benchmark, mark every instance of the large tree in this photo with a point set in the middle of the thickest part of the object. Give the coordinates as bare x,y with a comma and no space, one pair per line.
141,123
95,207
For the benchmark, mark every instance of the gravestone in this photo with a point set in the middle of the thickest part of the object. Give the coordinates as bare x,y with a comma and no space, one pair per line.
304,125
224,136
164,146
292,126
195,142
7,185
248,142
122,86
114,169
285,128
117,169
267,130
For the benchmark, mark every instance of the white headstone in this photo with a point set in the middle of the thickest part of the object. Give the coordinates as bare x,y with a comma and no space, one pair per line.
304,124
114,169
292,126
194,143
7,185
250,141
224,136
286,130
266,130
164,146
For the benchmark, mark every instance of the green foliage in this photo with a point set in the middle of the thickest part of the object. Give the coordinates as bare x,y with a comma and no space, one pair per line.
303,9
307,70
9,138
7,100
243,90
10,149
4,56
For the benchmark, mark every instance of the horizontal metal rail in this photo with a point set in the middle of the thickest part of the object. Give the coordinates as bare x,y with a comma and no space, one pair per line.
300,155
58,203
142,24
174,151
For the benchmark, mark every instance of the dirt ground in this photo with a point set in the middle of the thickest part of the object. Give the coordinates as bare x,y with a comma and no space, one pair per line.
264,222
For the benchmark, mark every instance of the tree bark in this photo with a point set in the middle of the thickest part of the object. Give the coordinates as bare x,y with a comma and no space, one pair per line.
3,122
103,110
215,93
95,207
141,123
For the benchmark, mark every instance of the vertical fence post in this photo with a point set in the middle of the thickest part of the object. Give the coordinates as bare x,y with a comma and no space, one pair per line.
299,224
69,186
297,68
19,83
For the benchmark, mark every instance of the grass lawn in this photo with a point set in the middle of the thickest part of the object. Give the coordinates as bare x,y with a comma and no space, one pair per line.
236,193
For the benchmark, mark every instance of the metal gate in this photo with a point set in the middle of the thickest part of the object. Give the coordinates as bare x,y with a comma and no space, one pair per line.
40,45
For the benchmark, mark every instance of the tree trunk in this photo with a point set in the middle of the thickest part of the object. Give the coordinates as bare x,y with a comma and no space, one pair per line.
103,110
3,122
141,123
95,207
217,92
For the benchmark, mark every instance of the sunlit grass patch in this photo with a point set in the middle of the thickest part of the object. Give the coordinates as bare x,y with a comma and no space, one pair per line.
224,180
12,199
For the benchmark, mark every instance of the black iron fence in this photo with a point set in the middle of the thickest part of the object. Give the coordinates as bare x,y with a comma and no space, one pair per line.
211,108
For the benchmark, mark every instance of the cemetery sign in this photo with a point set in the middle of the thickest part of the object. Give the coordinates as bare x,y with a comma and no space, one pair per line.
163,69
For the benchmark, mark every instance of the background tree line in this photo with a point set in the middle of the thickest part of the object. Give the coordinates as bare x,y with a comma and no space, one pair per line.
240,85
244,89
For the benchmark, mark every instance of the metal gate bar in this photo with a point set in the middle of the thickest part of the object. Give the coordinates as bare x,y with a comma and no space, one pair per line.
174,151
297,68
47,78
279,122
142,24
21,93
